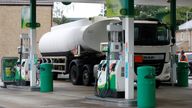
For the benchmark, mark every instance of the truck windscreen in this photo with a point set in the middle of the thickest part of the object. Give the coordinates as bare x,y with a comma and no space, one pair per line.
151,34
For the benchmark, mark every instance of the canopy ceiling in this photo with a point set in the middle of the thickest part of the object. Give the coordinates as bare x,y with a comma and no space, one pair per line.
141,2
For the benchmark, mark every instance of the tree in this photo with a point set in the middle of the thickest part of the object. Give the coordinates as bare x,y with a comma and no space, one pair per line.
142,12
58,16
162,13
62,20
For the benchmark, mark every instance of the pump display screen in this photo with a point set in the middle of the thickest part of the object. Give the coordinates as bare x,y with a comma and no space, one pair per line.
151,34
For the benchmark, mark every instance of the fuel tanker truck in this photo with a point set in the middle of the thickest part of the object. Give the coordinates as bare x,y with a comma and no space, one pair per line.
75,48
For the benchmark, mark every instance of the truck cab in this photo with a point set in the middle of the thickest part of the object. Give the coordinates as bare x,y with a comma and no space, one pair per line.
152,43
152,47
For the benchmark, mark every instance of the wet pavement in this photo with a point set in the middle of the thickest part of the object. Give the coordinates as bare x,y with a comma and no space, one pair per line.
66,95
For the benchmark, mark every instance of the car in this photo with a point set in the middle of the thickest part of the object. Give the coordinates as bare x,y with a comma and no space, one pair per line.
189,56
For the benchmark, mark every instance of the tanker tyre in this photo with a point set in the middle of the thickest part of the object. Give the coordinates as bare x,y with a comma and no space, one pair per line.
75,75
87,75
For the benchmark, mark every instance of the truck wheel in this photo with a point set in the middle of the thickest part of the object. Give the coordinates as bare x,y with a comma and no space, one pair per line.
87,75
55,76
75,75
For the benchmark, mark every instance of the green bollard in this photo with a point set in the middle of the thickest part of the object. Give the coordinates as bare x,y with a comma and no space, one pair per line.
182,74
146,96
46,77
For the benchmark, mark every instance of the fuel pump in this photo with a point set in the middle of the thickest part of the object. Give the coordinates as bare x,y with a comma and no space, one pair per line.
110,75
22,70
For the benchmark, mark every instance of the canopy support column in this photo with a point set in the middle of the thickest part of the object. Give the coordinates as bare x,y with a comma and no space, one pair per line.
32,43
128,23
173,47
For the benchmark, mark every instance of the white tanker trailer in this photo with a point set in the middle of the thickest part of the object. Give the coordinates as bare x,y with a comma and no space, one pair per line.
75,47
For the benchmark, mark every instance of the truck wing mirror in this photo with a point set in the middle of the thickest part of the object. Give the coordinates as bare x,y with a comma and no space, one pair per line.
173,41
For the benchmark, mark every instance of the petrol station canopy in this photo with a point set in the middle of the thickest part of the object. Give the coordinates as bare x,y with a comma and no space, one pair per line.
139,2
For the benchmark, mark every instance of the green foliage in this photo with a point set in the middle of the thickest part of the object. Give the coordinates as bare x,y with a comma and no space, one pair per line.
162,13
61,20
147,11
